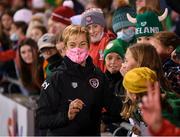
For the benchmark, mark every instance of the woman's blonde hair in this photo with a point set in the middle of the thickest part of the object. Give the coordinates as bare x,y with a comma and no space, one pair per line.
146,56
75,30
129,107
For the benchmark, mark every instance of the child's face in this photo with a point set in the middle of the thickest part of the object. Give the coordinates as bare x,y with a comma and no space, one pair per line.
163,51
77,41
129,63
36,34
113,62
26,54
126,34
139,4
143,39
96,32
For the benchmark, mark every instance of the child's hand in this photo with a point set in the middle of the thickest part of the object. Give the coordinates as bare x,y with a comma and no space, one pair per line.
151,108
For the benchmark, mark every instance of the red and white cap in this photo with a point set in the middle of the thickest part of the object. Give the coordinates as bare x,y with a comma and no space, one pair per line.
64,13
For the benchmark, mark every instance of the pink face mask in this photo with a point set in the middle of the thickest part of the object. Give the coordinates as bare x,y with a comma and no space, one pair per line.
77,55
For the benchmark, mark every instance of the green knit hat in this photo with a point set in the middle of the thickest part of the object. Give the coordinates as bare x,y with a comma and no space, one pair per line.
147,24
118,46
119,19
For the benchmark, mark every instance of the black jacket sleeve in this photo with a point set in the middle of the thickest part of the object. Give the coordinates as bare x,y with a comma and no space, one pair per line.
174,4
111,102
51,113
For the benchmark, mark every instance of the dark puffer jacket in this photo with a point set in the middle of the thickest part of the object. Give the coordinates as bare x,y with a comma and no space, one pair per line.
71,81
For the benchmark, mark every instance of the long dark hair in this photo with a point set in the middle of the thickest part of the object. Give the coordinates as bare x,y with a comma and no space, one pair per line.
29,73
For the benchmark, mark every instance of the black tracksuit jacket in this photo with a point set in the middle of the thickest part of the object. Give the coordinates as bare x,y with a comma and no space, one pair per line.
71,81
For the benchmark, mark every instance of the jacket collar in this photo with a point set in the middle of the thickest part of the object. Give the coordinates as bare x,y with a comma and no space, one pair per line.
76,69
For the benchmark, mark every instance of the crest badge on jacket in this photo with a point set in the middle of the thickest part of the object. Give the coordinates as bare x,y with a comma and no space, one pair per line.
94,82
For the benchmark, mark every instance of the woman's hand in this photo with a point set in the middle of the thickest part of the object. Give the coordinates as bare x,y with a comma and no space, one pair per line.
75,107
